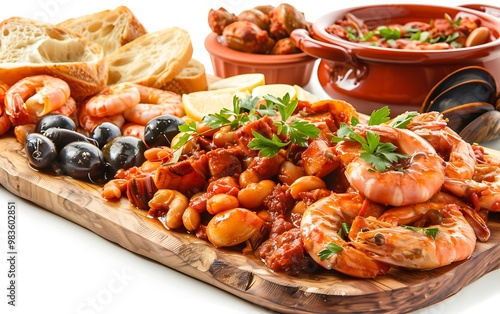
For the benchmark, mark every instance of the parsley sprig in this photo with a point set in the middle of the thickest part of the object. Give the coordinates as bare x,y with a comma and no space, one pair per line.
330,250
380,155
247,110
432,232
298,131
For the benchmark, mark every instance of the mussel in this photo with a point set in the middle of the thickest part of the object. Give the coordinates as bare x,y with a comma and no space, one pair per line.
468,99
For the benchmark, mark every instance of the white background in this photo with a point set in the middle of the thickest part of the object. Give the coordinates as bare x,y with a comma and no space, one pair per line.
64,268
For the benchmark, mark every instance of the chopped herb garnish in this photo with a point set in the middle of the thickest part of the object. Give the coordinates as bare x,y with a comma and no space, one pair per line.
299,131
344,230
402,120
247,110
379,116
267,147
330,250
187,130
389,34
432,232
379,155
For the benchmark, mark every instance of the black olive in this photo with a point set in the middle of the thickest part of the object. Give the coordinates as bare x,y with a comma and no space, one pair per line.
62,137
55,121
40,150
124,152
83,161
161,130
105,132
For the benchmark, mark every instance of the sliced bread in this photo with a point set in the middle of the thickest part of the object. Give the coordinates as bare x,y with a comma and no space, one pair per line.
152,59
192,78
29,47
109,28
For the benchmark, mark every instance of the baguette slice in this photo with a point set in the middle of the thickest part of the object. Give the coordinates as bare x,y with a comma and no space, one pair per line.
29,47
152,59
192,78
109,28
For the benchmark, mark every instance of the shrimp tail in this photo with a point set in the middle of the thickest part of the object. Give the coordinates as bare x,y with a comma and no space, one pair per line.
477,223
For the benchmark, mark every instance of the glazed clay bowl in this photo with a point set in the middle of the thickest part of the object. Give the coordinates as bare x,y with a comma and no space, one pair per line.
292,69
370,77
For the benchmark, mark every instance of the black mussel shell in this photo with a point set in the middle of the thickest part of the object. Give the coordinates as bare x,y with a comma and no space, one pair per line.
62,137
40,150
465,74
105,132
460,116
83,161
161,130
483,129
464,93
55,121
124,152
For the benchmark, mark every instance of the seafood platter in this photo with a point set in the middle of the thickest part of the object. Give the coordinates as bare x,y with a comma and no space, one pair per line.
280,199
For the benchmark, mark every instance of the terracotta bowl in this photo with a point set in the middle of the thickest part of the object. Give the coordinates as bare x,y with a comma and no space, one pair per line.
284,69
370,77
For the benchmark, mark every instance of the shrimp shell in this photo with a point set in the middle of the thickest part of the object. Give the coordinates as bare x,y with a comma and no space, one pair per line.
319,227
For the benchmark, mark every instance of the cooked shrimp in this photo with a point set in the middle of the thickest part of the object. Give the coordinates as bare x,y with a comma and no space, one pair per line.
483,190
415,248
113,100
133,129
154,102
5,123
431,120
319,228
21,131
35,96
457,153
414,182
419,214
89,122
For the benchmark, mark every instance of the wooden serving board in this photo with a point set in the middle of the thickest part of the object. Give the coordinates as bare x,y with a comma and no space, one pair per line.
244,276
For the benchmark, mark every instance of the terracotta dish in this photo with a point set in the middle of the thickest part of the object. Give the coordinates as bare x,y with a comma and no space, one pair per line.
369,77
278,69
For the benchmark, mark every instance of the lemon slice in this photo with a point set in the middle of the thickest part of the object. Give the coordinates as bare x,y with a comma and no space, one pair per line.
306,95
199,104
239,83
276,90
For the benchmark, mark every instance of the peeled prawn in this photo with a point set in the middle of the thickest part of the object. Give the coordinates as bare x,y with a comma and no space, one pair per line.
35,96
89,122
415,182
133,129
5,123
415,248
319,228
154,102
113,100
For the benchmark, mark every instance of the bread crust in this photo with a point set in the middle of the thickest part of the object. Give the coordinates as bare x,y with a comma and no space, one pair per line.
109,28
192,78
29,47
152,59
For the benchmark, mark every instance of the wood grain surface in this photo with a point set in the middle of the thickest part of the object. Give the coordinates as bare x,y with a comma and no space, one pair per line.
322,291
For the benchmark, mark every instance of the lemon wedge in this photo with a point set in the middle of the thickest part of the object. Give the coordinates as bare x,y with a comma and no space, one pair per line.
199,104
276,90
305,95
239,83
